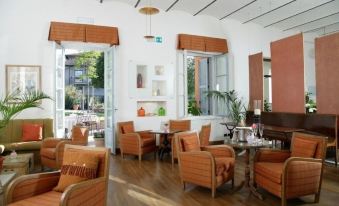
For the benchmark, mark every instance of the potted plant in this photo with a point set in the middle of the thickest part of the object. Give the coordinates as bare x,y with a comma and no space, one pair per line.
235,105
14,103
99,139
73,97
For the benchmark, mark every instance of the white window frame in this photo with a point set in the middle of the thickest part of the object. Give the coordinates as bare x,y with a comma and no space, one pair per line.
182,112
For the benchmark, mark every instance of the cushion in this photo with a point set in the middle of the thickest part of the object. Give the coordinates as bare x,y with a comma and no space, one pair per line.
270,170
77,166
127,128
223,164
48,152
303,148
190,143
31,132
51,198
147,141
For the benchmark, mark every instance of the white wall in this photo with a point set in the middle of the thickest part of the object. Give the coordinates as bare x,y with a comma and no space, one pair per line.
24,32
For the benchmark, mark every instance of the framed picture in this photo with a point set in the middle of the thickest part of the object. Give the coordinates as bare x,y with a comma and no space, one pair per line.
23,78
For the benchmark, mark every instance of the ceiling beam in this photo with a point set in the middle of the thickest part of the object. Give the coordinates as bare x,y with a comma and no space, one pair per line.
294,15
137,4
310,21
235,11
311,30
170,7
263,14
205,7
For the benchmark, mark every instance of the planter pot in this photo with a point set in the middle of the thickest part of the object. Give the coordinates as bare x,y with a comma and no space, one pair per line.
99,142
76,107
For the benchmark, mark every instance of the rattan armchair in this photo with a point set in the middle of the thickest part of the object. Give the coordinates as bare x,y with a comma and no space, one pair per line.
135,143
204,135
295,173
52,149
181,125
37,189
209,166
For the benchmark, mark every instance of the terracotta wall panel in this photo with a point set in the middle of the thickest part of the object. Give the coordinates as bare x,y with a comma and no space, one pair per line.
201,43
288,87
256,78
327,74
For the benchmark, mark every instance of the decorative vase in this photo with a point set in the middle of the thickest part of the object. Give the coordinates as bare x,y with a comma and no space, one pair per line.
76,106
161,111
141,112
13,154
139,80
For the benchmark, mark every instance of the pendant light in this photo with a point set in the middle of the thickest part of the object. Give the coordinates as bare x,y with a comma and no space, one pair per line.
148,11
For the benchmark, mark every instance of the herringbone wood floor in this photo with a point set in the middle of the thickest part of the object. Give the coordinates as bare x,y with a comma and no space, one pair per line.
155,182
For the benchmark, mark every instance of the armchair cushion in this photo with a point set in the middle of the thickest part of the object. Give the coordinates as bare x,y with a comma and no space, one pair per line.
147,142
303,148
223,164
191,143
127,128
31,132
77,167
270,170
51,198
49,153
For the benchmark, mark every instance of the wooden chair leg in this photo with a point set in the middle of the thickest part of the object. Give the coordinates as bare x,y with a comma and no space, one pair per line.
213,192
140,156
317,198
184,185
42,168
122,155
172,160
283,201
233,183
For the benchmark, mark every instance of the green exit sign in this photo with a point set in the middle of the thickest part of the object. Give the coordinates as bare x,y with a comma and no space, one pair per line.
158,39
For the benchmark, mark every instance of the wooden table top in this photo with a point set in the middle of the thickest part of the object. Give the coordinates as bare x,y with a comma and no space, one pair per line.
247,145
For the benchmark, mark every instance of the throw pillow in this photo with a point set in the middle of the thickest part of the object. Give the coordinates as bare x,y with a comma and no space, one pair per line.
303,148
127,128
190,143
31,132
77,166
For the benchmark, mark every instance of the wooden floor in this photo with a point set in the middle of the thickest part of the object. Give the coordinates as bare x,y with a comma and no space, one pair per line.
155,182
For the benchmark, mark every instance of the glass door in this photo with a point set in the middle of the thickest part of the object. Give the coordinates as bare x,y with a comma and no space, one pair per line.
109,100
59,91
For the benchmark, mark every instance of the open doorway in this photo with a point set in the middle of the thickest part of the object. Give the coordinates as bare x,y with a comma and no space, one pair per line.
84,90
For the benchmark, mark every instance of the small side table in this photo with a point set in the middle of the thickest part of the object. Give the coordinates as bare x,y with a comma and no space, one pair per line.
22,164
5,179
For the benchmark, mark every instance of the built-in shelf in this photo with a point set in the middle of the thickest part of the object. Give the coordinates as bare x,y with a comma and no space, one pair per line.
141,76
152,107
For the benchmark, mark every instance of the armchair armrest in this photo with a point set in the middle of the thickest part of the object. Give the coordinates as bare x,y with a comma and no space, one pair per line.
197,167
91,193
31,185
50,142
130,139
270,155
302,176
220,150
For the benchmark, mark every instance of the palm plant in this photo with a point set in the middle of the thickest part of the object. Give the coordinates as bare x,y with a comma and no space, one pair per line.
235,105
12,104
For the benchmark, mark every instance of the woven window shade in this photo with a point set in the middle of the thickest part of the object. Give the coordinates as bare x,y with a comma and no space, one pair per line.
60,31
202,43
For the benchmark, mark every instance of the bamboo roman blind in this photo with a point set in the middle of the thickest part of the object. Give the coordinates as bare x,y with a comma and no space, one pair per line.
202,43
60,31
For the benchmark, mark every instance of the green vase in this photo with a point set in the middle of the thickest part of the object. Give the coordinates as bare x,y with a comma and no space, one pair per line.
161,111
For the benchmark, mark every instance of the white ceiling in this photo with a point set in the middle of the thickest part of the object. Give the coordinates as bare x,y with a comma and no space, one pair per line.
316,16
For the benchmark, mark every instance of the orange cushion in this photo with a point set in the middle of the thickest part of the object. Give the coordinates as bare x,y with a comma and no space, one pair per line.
77,166
223,164
127,128
48,153
303,148
147,141
272,171
190,143
31,132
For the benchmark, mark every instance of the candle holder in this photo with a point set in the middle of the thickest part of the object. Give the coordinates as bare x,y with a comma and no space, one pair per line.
257,111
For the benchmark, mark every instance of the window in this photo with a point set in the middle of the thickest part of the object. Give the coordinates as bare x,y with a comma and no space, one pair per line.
199,73
78,76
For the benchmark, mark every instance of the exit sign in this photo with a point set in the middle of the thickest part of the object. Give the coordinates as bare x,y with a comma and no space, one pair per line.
158,39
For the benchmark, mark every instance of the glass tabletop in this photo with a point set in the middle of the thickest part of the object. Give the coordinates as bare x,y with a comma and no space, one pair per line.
249,145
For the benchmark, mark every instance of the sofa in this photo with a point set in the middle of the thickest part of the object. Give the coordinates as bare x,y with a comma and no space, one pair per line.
11,136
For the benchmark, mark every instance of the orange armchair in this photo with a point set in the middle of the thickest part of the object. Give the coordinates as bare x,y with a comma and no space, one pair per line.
37,189
135,143
210,166
182,125
52,149
295,173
